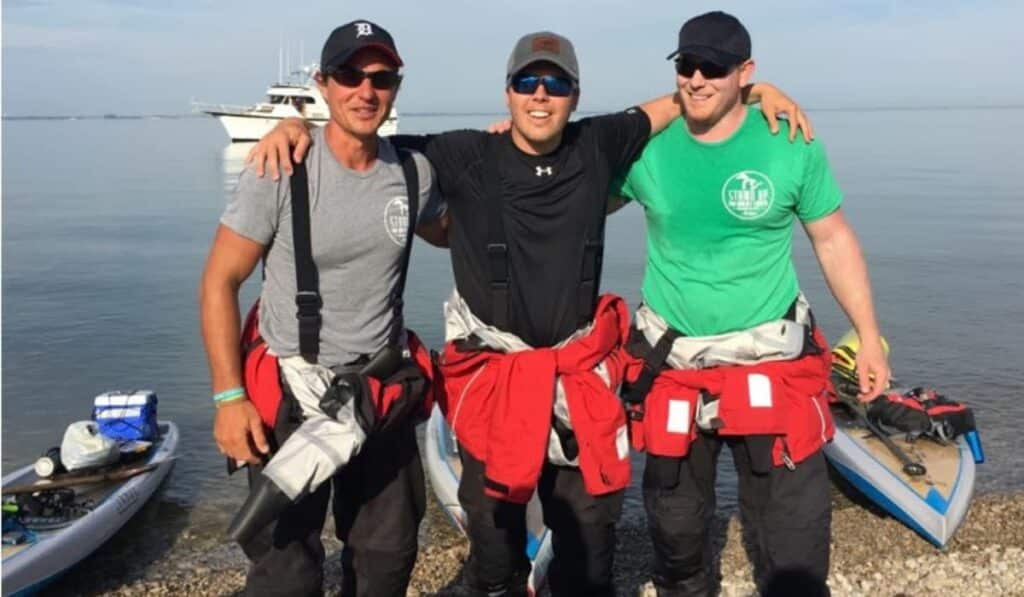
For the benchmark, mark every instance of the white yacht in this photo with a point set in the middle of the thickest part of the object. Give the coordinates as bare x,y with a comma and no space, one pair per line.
250,123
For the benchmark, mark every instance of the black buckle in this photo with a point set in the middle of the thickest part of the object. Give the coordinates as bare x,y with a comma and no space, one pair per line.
308,299
635,411
309,304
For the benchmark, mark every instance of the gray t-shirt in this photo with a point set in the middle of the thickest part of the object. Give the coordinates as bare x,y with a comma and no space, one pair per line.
359,222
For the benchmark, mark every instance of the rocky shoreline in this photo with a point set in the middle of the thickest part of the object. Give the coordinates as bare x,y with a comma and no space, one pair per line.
871,555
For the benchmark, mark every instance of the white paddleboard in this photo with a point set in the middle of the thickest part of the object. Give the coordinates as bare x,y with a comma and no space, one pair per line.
49,552
933,504
445,470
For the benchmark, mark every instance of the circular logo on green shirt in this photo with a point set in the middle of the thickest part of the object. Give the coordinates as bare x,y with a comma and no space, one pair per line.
748,194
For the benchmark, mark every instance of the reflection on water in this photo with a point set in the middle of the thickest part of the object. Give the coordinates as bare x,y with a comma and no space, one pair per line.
232,160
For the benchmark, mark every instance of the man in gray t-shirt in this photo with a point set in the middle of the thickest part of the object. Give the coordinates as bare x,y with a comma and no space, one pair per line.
359,218
358,225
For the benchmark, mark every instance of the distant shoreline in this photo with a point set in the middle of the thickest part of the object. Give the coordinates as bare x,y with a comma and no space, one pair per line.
428,114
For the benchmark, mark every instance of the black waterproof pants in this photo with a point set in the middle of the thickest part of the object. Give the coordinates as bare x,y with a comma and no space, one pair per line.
379,501
786,517
582,526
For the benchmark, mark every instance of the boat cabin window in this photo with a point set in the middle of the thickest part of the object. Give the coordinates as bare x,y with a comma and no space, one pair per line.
279,99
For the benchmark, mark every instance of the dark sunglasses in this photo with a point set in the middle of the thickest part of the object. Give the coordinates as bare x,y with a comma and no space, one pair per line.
381,80
687,65
556,86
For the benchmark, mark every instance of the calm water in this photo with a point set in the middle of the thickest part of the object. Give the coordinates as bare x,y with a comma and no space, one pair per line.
106,224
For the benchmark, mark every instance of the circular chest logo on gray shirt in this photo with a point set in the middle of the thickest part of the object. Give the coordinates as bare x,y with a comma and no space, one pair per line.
748,195
396,219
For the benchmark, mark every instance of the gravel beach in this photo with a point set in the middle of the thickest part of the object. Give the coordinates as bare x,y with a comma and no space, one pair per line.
871,555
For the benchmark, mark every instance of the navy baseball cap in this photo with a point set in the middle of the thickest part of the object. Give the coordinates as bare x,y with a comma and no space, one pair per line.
714,36
348,39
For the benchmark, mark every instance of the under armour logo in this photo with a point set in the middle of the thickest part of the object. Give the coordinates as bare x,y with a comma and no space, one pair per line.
363,29
543,171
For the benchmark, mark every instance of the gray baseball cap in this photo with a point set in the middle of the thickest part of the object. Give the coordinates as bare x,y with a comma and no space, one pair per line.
543,46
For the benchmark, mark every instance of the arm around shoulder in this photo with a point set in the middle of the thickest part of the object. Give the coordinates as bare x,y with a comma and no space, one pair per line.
432,220
662,110
275,152
435,231
775,103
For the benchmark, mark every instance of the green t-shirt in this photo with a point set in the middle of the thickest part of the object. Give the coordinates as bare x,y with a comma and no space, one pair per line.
720,222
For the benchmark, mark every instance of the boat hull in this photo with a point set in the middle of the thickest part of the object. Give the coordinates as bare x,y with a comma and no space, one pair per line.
28,568
934,504
445,469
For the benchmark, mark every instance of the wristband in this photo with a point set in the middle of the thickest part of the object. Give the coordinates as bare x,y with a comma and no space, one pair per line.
228,395
227,401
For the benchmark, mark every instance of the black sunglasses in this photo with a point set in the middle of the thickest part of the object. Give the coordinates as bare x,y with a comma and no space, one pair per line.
687,65
382,80
556,86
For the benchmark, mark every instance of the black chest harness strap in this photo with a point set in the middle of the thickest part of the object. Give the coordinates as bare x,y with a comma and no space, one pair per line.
654,360
307,278
499,275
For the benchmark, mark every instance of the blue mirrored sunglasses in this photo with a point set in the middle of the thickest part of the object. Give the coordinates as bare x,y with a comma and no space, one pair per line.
527,83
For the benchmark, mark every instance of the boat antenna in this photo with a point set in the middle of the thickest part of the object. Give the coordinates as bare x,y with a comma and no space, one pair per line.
280,56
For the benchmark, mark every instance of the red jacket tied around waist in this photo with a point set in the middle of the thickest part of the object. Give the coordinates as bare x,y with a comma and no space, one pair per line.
406,393
500,406
787,399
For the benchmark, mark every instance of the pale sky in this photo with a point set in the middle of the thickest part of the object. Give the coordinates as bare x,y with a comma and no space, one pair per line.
91,57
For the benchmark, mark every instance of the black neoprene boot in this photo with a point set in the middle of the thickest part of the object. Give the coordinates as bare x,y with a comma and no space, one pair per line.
264,504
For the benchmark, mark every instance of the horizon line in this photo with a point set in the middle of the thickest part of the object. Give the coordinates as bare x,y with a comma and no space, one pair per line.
181,115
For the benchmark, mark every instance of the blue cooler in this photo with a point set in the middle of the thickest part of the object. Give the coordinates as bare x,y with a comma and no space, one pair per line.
127,416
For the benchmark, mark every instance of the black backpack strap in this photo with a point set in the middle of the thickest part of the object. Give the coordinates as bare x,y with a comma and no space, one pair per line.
412,189
593,253
499,279
307,278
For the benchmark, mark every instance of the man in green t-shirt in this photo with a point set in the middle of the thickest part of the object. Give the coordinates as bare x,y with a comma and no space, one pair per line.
741,362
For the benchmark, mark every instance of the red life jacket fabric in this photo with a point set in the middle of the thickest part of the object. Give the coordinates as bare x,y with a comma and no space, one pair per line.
788,399
263,384
500,406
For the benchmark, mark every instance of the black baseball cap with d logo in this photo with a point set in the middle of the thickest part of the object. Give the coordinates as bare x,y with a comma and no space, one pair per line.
349,38
714,36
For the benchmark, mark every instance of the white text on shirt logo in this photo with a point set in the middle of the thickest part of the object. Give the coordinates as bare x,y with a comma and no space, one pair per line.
748,194
542,171
396,219
363,29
